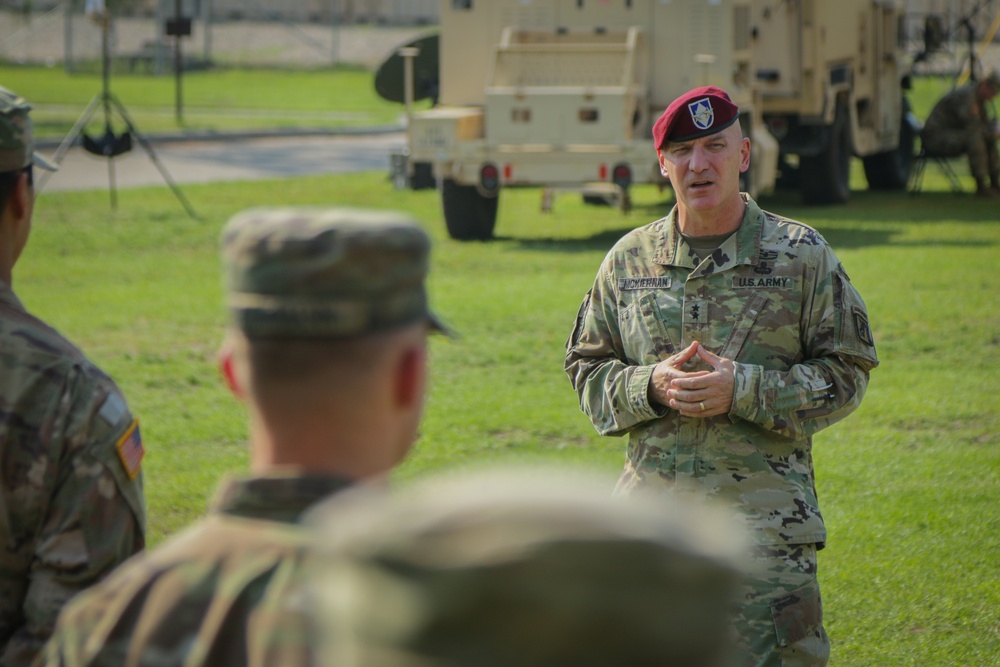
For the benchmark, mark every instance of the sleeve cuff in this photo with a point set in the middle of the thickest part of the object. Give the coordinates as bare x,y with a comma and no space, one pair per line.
746,392
638,395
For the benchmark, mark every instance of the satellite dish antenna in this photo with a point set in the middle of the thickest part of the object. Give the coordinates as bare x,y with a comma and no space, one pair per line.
390,78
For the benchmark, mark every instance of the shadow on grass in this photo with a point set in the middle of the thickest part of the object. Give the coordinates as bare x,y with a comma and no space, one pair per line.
870,206
602,241
868,219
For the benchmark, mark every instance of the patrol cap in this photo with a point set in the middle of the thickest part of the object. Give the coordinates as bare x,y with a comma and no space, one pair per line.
325,272
522,568
17,147
696,113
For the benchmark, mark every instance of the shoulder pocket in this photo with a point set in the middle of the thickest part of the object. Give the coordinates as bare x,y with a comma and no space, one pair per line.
574,336
854,333
118,447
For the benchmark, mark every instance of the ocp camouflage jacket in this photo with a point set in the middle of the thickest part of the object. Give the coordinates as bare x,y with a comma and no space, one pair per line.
775,299
71,498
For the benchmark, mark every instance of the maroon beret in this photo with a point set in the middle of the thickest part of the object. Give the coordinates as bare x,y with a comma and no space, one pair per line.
696,113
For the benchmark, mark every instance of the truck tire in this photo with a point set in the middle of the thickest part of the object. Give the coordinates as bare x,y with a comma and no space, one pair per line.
788,174
824,178
468,215
890,170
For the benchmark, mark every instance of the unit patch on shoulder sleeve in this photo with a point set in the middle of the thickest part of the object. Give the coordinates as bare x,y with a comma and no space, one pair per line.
130,449
862,328
113,409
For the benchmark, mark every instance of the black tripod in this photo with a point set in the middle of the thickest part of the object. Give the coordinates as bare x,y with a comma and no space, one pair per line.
111,145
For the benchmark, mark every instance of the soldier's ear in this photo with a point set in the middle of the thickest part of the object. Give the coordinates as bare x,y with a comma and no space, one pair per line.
227,368
17,206
16,216
20,196
663,163
410,377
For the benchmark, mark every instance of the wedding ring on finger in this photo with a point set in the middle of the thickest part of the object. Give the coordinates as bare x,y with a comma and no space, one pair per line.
702,404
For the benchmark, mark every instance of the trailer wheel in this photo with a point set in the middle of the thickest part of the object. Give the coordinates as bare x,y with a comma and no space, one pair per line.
890,170
596,200
468,215
423,176
824,178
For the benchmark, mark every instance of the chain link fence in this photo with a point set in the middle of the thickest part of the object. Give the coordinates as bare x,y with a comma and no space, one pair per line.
232,33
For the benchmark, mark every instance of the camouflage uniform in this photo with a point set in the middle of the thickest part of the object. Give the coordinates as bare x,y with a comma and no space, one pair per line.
212,595
960,125
71,503
775,299
536,568
221,593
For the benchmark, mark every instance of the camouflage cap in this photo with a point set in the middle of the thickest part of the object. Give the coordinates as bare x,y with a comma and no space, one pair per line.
17,147
325,273
528,569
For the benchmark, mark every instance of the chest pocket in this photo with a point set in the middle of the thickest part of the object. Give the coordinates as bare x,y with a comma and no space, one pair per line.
751,310
643,329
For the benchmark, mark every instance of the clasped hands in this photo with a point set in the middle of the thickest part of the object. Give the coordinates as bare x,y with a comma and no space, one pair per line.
696,393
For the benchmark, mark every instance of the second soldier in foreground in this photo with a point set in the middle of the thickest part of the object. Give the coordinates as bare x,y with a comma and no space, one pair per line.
328,350
71,501
523,568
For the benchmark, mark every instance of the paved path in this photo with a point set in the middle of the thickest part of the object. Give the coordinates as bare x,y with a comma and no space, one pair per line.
226,160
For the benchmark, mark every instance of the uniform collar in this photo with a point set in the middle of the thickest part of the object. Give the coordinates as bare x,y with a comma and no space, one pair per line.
275,498
8,297
743,247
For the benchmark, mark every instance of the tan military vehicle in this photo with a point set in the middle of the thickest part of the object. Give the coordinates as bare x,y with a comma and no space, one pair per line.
562,94
831,78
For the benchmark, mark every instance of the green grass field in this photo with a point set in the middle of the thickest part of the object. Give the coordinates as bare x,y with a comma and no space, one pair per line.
908,484
218,100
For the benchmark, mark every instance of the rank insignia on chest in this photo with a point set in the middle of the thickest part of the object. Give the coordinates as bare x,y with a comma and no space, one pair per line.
130,449
656,282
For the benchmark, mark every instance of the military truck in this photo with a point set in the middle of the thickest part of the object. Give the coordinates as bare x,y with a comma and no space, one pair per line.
832,78
562,94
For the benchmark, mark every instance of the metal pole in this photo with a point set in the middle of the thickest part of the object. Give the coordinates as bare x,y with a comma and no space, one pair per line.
408,53
68,38
178,66
335,45
206,25
161,21
106,95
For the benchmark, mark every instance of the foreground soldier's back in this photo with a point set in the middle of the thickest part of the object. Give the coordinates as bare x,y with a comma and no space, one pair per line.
327,349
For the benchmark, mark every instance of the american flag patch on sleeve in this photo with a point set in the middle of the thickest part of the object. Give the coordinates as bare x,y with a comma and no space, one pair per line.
130,449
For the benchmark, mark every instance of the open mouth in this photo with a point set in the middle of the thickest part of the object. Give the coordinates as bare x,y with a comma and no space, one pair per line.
697,185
